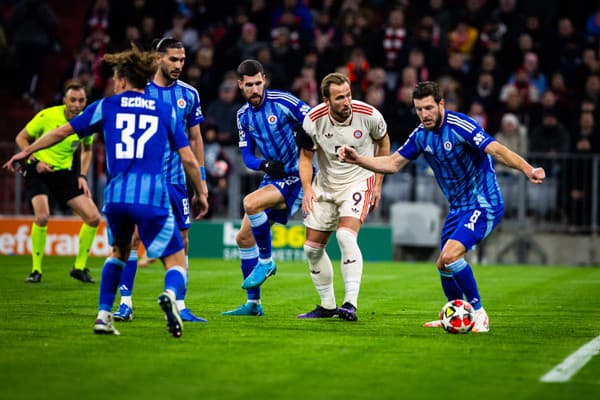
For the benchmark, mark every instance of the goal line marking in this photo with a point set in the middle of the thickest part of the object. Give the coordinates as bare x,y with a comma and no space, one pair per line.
573,363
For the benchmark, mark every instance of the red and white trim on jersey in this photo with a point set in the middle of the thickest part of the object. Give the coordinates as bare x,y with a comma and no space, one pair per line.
362,108
318,112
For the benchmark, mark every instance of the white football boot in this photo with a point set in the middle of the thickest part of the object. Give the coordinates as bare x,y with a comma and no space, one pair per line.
482,322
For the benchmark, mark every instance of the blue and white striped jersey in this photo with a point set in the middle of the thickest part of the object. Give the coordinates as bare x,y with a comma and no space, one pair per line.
269,128
455,153
136,129
185,100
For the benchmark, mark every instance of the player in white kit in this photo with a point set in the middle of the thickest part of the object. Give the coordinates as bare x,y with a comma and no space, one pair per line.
341,195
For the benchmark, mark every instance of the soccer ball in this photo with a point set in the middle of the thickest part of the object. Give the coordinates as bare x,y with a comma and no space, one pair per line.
221,168
457,316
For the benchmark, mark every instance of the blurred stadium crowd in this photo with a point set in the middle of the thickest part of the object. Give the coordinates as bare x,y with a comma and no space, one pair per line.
527,71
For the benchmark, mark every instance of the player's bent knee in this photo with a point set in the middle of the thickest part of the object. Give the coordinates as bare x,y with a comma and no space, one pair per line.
175,259
313,251
244,239
347,239
93,221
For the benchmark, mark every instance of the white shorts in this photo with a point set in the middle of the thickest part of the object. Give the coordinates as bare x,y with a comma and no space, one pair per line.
353,201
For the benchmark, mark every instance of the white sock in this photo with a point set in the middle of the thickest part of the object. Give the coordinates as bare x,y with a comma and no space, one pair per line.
127,301
321,272
352,264
180,304
104,315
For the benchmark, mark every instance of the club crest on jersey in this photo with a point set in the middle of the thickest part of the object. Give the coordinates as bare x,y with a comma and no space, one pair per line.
272,119
447,146
181,103
357,134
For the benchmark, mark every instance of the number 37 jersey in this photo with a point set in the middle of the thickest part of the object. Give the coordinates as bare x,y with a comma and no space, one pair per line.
136,130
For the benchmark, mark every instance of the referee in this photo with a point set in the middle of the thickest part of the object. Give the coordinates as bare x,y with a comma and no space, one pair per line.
52,170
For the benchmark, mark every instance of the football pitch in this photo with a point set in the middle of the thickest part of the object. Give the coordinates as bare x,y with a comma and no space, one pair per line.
538,317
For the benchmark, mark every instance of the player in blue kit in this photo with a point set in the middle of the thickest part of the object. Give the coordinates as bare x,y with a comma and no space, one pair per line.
460,154
136,129
184,98
265,123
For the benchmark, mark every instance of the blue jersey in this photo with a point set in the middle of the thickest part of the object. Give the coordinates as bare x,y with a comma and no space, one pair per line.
455,152
136,129
269,128
185,100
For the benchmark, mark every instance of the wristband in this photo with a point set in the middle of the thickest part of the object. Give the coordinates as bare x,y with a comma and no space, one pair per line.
203,173
83,176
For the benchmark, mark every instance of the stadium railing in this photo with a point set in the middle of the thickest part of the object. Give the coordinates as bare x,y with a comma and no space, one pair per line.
567,202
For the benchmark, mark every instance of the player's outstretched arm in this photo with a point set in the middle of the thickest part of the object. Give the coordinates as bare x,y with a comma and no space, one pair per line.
383,165
511,159
52,137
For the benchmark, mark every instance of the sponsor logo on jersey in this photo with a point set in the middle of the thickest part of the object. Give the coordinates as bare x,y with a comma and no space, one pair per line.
428,149
448,146
329,135
357,134
349,261
272,119
181,103
355,210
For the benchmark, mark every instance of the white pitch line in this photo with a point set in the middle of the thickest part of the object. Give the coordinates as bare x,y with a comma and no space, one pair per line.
573,363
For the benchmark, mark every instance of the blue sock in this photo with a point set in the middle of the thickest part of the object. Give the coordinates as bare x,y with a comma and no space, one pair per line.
462,272
450,287
261,229
128,275
175,280
249,258
111,275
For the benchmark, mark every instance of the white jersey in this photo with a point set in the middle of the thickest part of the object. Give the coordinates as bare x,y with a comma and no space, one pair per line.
359,131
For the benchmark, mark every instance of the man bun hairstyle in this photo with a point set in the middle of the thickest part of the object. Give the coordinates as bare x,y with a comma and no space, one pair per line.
136,66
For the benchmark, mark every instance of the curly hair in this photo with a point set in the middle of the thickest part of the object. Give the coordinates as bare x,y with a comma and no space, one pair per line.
136,66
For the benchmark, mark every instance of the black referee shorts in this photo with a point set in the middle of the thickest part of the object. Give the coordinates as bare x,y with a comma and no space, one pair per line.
62,184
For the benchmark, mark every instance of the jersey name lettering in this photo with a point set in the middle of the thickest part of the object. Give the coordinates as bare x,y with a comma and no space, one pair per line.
138,102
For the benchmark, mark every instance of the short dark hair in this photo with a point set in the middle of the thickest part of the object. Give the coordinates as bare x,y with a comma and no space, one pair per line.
161,45
249,68
426,89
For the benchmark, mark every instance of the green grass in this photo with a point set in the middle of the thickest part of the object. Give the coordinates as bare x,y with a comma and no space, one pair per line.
538,316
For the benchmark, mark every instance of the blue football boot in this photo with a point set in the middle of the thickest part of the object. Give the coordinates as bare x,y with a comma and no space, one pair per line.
249,309
186,315
259,274
124,313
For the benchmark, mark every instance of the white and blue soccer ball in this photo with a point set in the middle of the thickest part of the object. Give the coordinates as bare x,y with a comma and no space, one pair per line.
457,316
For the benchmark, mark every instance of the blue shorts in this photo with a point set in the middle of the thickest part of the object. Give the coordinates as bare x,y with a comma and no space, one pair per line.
472,226
290,188
180,204
156,227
